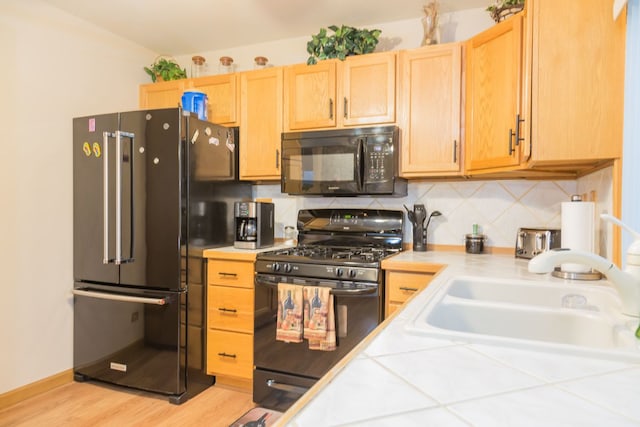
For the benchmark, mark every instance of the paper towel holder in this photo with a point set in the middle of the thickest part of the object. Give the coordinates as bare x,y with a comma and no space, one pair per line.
575,275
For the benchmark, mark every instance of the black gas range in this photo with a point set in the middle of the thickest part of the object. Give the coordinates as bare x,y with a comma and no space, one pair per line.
337,248
339,244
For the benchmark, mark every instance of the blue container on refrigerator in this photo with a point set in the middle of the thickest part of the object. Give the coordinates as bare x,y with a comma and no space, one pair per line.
195,102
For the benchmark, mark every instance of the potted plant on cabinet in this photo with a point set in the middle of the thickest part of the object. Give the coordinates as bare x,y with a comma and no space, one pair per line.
344,41
164,69
501,9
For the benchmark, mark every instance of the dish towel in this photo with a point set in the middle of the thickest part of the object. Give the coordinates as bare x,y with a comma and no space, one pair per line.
319,323
289,322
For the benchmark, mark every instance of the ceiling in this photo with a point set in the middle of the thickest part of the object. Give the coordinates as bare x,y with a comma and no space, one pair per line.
188,26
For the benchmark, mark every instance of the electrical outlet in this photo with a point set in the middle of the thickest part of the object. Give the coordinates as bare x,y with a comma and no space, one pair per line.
134,316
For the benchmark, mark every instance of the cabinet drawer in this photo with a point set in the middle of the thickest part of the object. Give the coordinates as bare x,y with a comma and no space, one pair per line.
229,353
402,285
230,273
230,308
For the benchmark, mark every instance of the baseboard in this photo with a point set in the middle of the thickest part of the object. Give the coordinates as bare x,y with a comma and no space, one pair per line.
46,384
238,384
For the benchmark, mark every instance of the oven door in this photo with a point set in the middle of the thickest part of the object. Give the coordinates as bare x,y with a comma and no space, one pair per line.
284,371
321,165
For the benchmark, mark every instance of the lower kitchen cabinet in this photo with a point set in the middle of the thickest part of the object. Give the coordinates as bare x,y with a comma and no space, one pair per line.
230,320
404,280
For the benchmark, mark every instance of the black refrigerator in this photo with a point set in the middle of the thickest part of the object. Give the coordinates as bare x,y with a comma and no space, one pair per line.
151,190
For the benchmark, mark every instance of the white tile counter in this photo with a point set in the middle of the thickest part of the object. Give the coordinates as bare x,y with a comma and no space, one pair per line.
396,378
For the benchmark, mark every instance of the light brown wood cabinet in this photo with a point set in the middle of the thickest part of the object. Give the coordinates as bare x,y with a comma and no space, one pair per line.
493,88
545,90
223,97
222,94
403,280
261,109
430,111
161,94
230,316
359,91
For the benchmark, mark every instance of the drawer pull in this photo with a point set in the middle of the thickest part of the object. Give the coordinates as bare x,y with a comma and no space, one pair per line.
404,288
223,354
223,274
227,310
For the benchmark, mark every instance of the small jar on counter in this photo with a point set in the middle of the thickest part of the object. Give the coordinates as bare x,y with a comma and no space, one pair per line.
197,66
260,62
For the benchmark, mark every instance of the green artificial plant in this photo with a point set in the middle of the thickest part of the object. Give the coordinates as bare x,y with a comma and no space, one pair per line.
165,69
344,41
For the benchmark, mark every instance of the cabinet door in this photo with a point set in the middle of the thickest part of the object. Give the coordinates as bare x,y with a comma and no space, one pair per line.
310,95
368,87
493,89
161,94
577,80
430,87
222,97
261,93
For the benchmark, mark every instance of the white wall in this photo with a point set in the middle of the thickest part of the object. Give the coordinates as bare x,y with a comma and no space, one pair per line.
54,68
405,34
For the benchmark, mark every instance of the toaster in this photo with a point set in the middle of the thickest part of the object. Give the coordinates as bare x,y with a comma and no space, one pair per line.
532,241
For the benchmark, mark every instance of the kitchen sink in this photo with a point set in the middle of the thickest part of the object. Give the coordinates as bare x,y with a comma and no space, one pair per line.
558,316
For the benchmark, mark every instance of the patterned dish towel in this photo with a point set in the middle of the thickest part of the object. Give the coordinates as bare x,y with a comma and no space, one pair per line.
319,318
289,322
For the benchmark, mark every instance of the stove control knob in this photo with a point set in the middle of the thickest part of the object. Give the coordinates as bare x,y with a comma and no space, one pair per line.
287,268
353,273
275,266
339,272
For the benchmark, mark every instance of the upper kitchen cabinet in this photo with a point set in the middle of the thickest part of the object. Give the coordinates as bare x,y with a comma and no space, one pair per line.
358,91
310,95
261,110
222,97
429,111
493,102
562,114
161,94
575,57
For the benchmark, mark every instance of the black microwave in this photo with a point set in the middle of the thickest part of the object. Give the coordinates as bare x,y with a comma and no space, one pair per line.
343,162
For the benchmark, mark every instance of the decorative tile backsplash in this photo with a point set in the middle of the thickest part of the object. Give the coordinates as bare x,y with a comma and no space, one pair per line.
499,207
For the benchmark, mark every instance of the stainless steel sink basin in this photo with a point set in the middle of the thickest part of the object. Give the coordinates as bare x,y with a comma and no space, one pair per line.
547,315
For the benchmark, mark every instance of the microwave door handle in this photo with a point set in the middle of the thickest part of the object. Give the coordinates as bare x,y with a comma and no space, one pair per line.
360,164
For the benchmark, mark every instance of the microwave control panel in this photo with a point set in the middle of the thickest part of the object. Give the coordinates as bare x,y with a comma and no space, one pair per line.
379,165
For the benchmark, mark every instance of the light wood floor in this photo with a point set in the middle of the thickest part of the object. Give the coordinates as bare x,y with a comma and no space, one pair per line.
89,404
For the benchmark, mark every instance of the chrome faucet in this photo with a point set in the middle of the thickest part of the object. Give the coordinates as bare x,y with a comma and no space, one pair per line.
627,282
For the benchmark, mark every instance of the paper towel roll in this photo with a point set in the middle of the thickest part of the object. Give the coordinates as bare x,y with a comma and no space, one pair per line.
578,231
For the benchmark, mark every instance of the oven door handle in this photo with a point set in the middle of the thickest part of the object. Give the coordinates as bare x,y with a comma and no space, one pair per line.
350,292
344,292
286,387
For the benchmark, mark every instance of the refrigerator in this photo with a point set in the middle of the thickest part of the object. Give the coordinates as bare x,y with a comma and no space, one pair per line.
151,190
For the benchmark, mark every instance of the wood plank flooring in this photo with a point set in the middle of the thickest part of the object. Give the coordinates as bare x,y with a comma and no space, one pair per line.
90,404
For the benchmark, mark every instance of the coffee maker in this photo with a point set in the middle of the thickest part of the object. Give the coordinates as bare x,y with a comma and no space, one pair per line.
254,225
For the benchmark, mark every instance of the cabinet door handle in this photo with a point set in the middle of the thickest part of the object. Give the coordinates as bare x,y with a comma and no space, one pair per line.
455,151
223,354
331,108
277,159
404,288
227,310
518,138
511,135
223,274
346,103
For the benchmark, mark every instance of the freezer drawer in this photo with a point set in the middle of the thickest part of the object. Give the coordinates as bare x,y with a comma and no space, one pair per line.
129,338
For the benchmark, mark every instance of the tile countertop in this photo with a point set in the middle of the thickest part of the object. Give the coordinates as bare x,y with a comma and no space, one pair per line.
395,378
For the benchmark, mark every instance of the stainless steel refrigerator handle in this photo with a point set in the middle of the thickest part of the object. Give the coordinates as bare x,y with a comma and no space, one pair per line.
116,297
119,135
105,191
118,258
286,387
